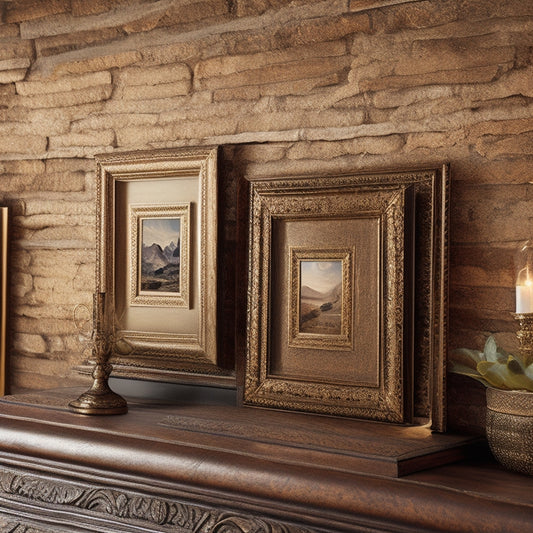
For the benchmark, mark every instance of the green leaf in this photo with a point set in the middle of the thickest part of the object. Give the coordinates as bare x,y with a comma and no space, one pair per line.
491,350
492,372
502,377
514,365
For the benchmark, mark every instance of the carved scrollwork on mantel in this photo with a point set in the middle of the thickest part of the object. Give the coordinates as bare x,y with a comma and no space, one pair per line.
125,507
17,527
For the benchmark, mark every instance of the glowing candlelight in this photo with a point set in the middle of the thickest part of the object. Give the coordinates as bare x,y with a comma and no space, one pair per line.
524,279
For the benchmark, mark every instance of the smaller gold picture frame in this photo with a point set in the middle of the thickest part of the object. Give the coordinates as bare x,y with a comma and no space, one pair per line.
160,268
322,292
169,335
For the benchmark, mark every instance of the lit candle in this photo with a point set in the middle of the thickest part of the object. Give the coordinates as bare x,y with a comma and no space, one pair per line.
524,297
524,279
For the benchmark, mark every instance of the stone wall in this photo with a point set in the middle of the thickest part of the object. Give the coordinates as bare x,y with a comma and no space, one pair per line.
288,87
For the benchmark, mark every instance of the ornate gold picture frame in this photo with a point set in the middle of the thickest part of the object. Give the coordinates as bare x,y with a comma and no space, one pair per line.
162,293
326,328
159,253
321,286
392,227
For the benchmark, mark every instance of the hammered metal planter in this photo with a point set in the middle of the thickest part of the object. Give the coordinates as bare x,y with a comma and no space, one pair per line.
510,428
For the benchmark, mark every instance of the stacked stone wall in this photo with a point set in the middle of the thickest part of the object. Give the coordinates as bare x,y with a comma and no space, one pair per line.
294,87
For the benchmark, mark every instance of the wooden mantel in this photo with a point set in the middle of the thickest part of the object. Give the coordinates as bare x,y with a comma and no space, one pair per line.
218,468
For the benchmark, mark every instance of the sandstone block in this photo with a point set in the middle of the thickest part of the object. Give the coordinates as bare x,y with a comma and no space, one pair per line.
55,344
297,87
60,233
21,258
434,140
63,85
196,11
323,29
8,30
45,221
237,93
305,69
475,75
24,167
16,49
421,14
11,76
497,147
21,284
24,144
58,44
6,91
225,65
245,8
142,136
71,204
513,82
34,9
27,314
152,92
97,64
69,165
262,153
154,75
452,54
45,182
17,63
116,121
89,138
26,342
171,52
411,95
501,127
82,7
68,23
67,99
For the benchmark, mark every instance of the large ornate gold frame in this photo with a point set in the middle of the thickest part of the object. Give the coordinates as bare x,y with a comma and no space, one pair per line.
282,375
161,340
412,209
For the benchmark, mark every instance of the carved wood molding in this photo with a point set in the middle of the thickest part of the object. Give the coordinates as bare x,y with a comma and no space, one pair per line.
126,507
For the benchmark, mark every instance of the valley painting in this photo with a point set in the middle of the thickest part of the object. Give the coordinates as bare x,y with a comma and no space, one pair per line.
160,255
320,297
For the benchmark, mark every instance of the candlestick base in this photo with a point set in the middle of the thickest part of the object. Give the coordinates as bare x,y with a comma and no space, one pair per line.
100,399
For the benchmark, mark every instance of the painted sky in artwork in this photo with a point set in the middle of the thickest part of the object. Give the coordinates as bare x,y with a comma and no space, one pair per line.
321,276
161,231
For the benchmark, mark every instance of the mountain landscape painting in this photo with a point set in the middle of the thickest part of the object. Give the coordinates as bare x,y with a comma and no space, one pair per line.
321,297
160,255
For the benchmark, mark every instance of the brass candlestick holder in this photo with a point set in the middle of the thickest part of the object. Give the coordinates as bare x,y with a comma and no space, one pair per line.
525,337
100,399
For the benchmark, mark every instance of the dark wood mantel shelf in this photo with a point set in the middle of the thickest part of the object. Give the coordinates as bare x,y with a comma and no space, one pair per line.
223,469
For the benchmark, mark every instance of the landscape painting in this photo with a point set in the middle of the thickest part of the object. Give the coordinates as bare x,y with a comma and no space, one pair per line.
160,255
321,297
159,264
